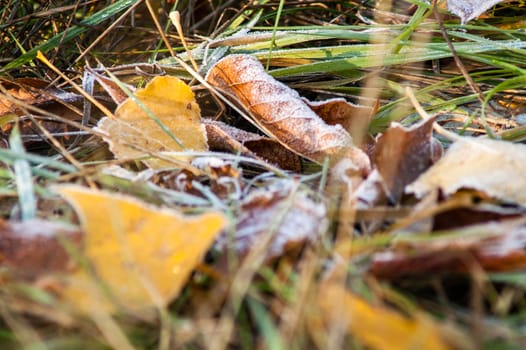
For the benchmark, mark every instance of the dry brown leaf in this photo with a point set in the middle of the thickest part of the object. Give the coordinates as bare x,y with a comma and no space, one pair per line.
26,92
496,246
282,113
337,111
377,327
133,133
469,9
34,92
494,167
226,138
402,154
117,94
33,248
282,210
218,175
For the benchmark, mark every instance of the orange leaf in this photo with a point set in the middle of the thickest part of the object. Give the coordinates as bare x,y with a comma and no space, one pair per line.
143,254
377,327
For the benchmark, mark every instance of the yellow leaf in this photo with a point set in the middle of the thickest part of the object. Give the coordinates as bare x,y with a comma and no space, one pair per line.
377,327
142,254
134,133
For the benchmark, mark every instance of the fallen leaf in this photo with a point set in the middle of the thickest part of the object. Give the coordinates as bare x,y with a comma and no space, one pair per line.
495,246
25,92
225,138
281,112
280,209
34,248
134,133
222,178
490,166
469,9
29,91
142,254
377,327
117,94
477,211
337,111
402,154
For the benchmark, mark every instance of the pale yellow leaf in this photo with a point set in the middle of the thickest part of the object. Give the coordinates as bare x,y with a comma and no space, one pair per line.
141,253
133,133
377,327
494,167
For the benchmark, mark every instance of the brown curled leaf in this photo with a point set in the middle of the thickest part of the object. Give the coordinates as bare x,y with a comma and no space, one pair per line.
117,94
34,92
402,154
337,111
281,112
226,138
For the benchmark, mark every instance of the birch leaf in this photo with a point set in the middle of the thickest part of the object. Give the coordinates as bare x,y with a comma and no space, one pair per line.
142,254
377,327
135,132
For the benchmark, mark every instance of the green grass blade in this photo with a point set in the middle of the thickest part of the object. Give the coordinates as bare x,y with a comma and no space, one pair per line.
24,180
10,156
71,33
344,58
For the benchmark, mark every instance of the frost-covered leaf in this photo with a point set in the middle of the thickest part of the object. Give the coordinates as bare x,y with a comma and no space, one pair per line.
220,177
166,119
281,112
33,248
494,167
496,246
226,138
31,91
38,93
141,254
117,94
469,9
283,210
337,111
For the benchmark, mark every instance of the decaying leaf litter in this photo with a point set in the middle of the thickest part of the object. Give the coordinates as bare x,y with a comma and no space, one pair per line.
219,207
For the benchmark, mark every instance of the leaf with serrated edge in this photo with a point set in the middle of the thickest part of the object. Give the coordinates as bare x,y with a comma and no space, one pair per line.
133,133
